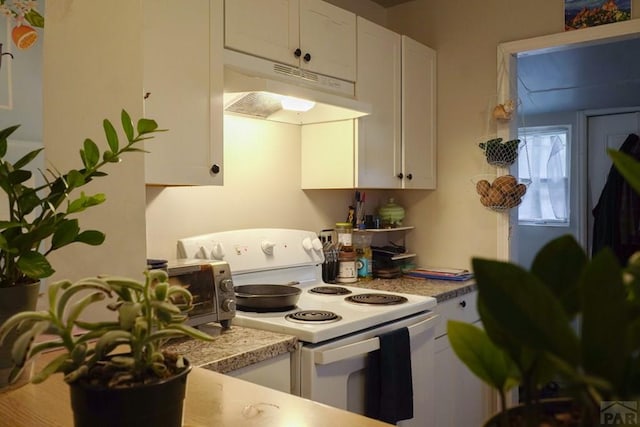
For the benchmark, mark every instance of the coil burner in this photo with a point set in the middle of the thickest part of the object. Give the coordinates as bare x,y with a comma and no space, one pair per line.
330,290
376,299
313,316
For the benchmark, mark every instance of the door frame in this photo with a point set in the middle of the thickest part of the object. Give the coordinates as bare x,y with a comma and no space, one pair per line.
508,53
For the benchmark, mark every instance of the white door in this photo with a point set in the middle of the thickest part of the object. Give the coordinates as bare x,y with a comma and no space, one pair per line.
418,115
603,132
379,149
328,37
264,28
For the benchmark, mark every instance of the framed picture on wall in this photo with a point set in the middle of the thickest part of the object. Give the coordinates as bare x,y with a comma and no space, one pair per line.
589,13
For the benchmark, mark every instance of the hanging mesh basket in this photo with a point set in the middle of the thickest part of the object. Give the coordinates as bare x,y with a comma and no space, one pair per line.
499,152
501,193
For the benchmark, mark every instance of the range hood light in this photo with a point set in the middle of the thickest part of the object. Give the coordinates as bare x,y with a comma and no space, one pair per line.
296,104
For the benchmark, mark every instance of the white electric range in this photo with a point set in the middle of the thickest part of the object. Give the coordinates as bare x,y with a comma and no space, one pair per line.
337,325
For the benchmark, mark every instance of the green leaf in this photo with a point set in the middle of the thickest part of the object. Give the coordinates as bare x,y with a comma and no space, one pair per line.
112,136
19,176
127,125
34,18
109,156
83,202
65,233
27,158
628,167
28,201
52,367
75,179
525,308
91,153
4,134
559,265
91,237
474,348
35,265
605,323
146,126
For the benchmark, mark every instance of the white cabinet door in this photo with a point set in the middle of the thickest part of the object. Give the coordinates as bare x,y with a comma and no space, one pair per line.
264,28
462,399
183,83
328,37
378,83
311,34
418,115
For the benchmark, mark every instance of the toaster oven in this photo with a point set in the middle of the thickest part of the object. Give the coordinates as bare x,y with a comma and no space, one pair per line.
211,285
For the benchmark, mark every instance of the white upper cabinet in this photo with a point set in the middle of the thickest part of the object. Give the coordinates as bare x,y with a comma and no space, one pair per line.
310,34
418,115
395,146
183,81
379,83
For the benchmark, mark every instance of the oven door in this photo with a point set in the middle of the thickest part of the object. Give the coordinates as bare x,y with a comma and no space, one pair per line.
334,372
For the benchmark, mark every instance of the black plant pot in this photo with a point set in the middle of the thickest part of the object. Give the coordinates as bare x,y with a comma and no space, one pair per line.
546,411
159,404
13,300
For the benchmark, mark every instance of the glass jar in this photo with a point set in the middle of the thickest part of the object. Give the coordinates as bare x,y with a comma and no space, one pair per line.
347,272
344,231
364,255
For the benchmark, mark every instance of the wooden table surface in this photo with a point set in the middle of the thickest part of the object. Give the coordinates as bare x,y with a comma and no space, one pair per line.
212,399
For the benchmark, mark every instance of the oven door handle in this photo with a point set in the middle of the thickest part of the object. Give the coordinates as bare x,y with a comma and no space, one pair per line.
367,346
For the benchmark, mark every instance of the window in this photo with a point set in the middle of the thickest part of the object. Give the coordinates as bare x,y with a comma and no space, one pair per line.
543,164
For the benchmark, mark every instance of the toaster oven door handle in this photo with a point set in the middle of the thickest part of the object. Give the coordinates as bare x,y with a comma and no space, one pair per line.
367,346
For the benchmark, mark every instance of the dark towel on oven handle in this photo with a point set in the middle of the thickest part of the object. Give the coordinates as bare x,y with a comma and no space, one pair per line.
389,385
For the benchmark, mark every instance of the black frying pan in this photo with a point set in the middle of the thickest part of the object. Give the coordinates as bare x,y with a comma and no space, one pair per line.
269,297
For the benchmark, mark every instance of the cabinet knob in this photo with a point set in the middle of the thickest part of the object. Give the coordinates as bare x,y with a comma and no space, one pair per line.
463,303
215,168
400,175
307,57
297,53
409,176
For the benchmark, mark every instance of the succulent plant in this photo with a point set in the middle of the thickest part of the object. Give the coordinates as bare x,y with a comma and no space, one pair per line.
108,353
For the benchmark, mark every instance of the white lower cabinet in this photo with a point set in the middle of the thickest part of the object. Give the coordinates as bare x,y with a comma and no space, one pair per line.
274,373
461,399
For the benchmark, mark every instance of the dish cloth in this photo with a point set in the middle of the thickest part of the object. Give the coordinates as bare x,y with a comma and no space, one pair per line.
389,387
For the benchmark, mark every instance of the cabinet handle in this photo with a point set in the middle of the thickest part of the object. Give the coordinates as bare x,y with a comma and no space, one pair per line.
409,176
215,168
297,53
307,57
463,303
400,175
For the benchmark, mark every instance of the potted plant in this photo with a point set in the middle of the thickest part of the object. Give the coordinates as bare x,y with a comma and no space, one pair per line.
47,213
117,370
569,318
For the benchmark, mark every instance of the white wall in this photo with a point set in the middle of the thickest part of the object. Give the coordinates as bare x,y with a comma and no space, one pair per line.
92,70
261,189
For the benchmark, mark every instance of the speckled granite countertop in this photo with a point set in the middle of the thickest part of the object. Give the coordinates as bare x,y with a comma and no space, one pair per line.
234,348
441,290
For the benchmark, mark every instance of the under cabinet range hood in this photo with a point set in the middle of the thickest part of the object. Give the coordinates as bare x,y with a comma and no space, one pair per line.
259,88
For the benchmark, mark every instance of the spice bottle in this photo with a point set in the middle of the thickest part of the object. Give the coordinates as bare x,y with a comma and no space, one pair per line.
364,255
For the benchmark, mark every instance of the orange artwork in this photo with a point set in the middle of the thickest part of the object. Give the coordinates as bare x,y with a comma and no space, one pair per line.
589,13
25,20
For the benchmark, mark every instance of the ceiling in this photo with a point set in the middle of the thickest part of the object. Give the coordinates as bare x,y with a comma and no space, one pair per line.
604,75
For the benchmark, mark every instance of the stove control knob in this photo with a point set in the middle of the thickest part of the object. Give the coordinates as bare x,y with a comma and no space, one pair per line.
226,285
228,305
306,244
202,253
317,244
267,247
218,251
